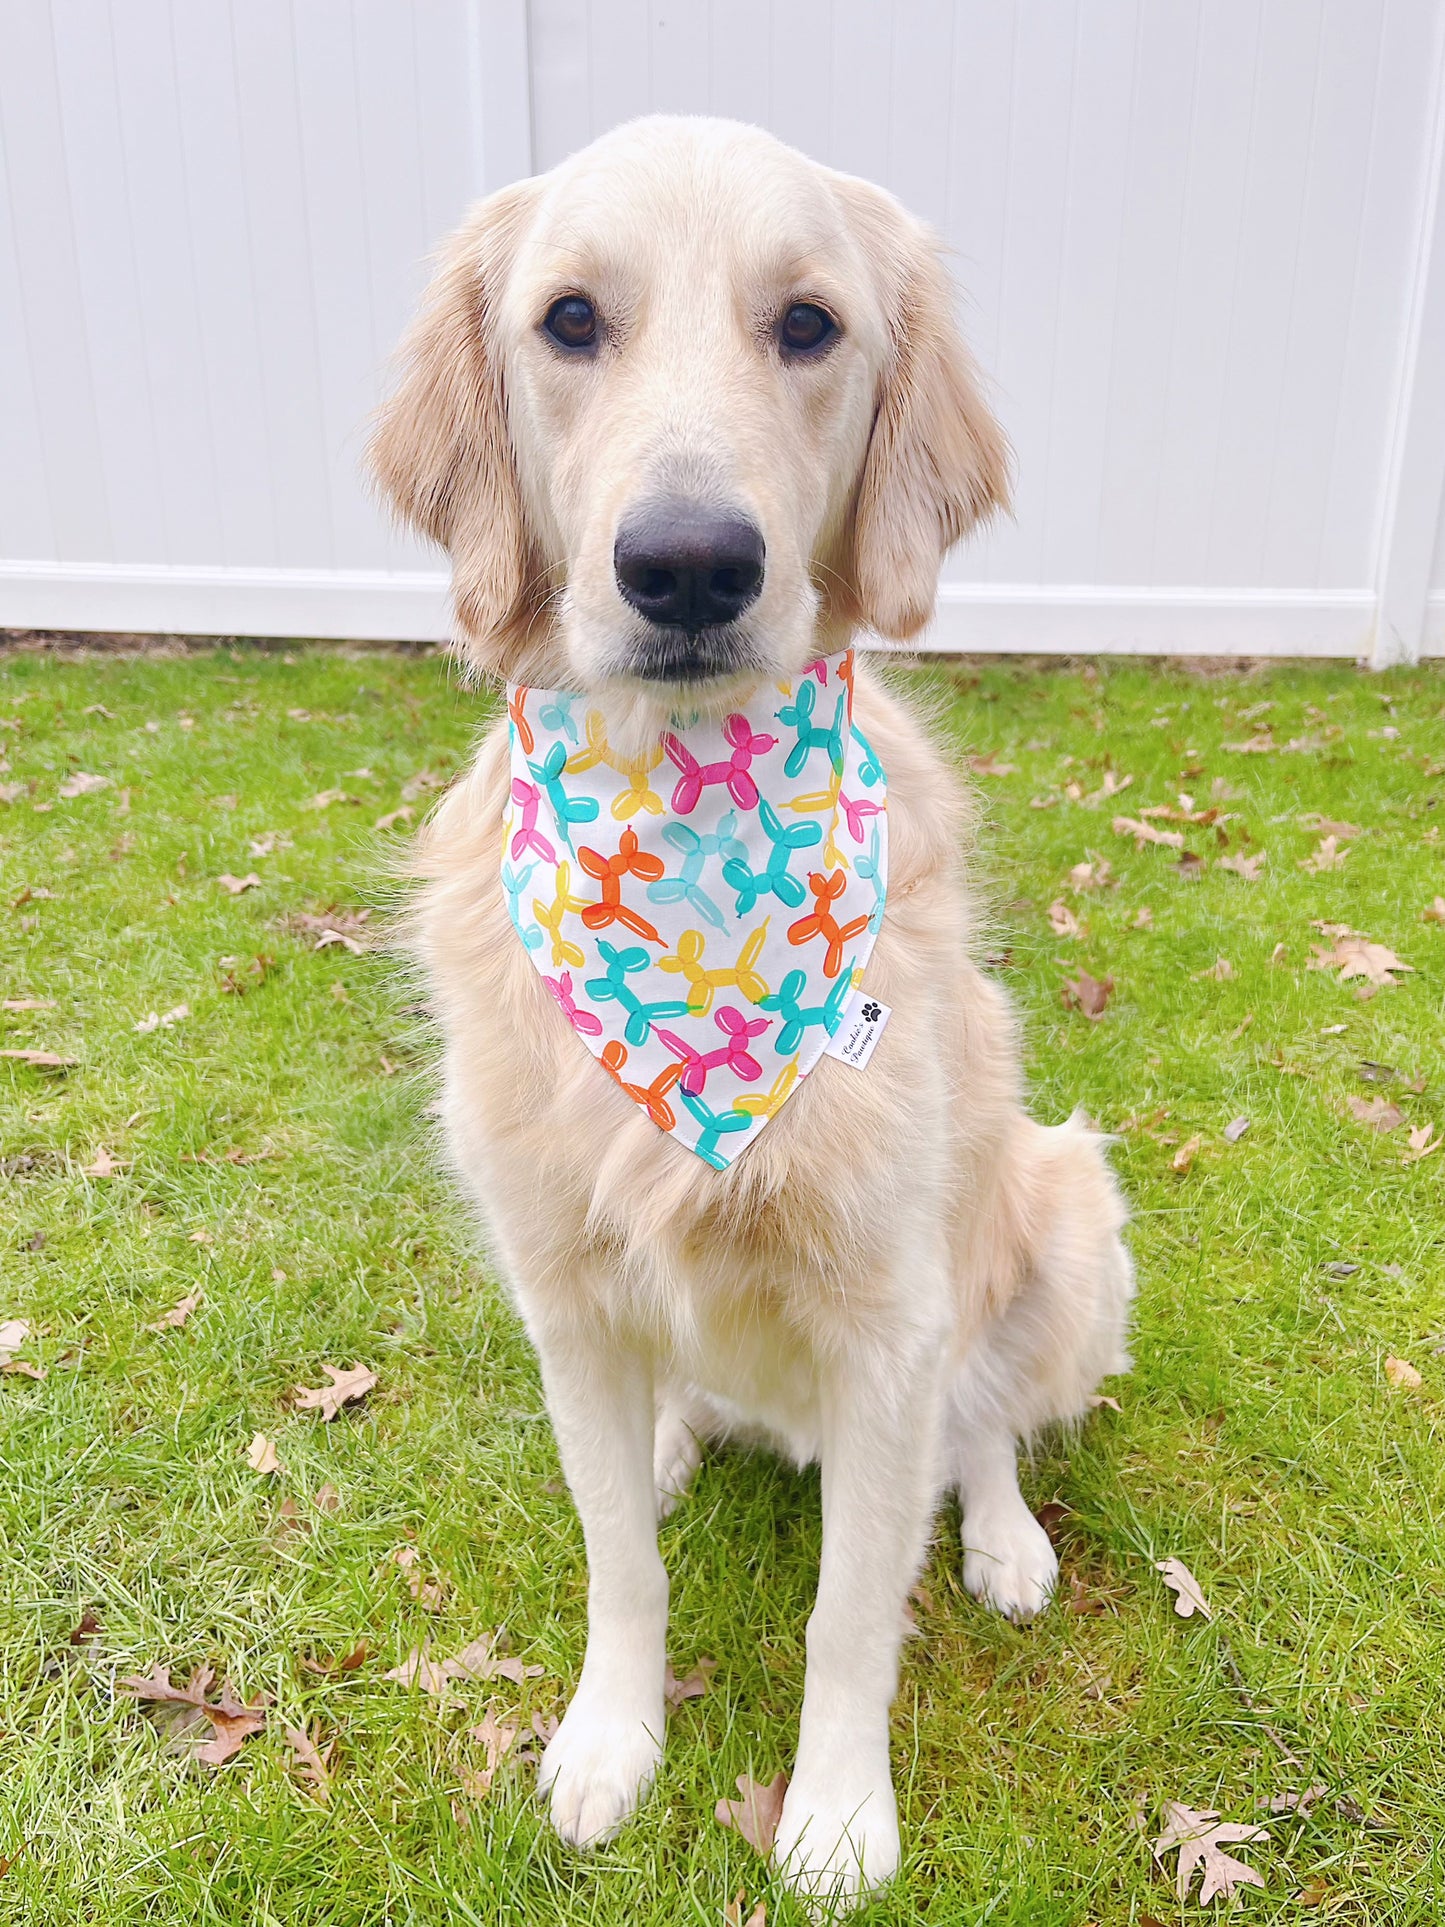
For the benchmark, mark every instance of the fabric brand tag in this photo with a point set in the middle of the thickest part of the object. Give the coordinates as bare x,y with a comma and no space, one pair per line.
864,1022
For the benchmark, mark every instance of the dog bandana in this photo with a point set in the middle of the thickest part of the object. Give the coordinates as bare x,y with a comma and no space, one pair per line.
700,914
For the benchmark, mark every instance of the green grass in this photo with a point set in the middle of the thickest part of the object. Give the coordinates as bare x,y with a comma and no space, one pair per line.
1259,1439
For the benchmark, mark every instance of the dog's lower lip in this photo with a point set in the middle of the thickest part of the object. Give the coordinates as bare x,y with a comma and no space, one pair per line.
685,658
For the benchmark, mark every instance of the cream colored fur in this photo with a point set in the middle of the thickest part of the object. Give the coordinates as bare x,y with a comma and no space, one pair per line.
905,1275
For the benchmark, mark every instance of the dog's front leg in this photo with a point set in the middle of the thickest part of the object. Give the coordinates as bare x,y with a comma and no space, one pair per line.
603,1756
838,1836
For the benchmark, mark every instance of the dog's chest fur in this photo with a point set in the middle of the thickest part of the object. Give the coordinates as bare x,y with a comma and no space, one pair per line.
739,1279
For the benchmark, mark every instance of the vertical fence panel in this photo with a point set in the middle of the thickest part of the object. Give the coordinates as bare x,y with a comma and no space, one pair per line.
1193,246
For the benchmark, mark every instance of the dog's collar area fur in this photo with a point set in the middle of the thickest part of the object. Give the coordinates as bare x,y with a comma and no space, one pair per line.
701,913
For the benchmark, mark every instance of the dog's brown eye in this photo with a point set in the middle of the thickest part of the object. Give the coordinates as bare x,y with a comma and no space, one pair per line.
805,328
572,322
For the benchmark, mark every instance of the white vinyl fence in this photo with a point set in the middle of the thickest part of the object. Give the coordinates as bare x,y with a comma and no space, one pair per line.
1201,245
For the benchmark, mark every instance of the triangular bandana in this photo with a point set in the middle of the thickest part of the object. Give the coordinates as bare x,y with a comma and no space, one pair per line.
702,914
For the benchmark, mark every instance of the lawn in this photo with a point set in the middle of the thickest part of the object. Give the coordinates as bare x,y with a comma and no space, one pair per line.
267,1153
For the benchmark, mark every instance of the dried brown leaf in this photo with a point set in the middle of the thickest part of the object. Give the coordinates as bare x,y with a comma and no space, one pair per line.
1062,919
696,1683
426,1592
1184,1157
1423,1144
17,1004
1352,955
41,1060
733,1913
103,1165
313,1765
163,1020
1432,913
496,1738
1200,1839
1247,867
756,1815
177,1315
338,1662
1219,972
1378,1112
1189,1596
82,784
479,1660
236,886
232,1725
1087,994
1327,855
353,1382
261,1454
1402,1375
1143,832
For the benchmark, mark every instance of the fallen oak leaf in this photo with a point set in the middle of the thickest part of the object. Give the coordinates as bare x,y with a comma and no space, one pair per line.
103,1165
1219,972
1377,1112
16,1004
1327,855
13,1334
343,1663
479,1660
675,1691
1188,865
177,1315
232,1725
1432,913
426,1592
347,1384
496,1737
1189,1596
1247,867
330,938
1087,994
756,1815
261,1455
1352,955
1143,833
1062,919
733,1913
1300,1803
1423,1144
1402,1375
42,1060
1184,1157
1200,1839
312,1764
235,886
82,784
163,1021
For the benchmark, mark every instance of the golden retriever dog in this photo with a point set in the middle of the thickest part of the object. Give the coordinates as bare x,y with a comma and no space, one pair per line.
688,414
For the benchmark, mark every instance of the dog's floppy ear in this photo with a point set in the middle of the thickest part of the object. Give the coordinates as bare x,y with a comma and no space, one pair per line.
937,461
441,451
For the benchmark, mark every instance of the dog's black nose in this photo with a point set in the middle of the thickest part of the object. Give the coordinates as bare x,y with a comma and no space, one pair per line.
687,567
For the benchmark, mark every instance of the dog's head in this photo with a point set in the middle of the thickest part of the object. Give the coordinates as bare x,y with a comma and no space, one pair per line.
686,411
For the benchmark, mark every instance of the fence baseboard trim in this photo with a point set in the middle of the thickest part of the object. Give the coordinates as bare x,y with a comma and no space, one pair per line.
370,605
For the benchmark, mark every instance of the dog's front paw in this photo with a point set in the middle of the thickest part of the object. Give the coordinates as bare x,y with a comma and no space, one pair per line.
1010,1565
597,1767
837,1840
